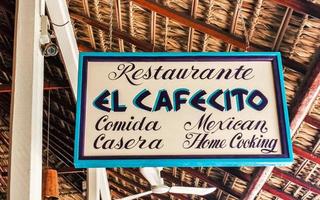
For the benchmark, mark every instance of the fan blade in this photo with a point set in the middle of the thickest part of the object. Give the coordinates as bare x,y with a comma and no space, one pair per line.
136,196
191,190
152,174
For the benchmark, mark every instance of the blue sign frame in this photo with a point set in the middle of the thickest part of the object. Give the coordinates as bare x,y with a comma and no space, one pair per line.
81,161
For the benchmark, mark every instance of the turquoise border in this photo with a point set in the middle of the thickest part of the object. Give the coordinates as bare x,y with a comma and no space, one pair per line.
285,107
230,162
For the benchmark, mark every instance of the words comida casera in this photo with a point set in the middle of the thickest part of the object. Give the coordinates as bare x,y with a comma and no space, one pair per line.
181,109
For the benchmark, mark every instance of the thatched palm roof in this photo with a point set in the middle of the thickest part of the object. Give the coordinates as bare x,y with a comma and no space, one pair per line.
292,27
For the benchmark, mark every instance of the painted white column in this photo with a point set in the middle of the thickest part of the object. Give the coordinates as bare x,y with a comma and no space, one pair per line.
93,184
25,171
104,185
58,11
97,184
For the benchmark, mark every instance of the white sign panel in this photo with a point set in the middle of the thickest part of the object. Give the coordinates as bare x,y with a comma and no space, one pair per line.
181,109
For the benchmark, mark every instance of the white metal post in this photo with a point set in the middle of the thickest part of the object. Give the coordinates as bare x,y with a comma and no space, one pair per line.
104,184
25,171
97,184
63,29
93,184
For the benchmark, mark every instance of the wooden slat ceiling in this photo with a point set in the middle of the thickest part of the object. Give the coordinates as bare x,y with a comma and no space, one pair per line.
290,26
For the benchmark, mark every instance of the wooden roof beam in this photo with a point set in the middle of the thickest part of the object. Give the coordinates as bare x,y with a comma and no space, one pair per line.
208,15
302,104
84,48
292,64
305,7
235,17
126,179
211,30
87,13
312,121
153,27
279,173
282,29
277,192
305,154
117,4
143,45
115,192
131,24
193,13
6,88
237,173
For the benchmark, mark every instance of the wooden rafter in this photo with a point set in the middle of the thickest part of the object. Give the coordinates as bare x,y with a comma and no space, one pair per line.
165,45
153,27
117,4
298,35
255,18
208,15
131,23
127,180
143,45
6,88
277,192
235,17
295,180
193,13
84,48
282,29
292,64
237,173
312,121
306,7
101,34
307,155
90,32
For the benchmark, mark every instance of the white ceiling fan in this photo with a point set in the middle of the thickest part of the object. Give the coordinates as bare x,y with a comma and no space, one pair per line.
152,174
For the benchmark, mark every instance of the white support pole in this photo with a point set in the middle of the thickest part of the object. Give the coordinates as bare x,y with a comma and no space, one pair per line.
104,185
58,11
93,184
97,184
25,171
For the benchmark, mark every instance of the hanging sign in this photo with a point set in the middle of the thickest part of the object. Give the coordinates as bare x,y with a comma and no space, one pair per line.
181,109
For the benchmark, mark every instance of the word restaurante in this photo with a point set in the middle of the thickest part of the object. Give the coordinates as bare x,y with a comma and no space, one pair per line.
133,74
